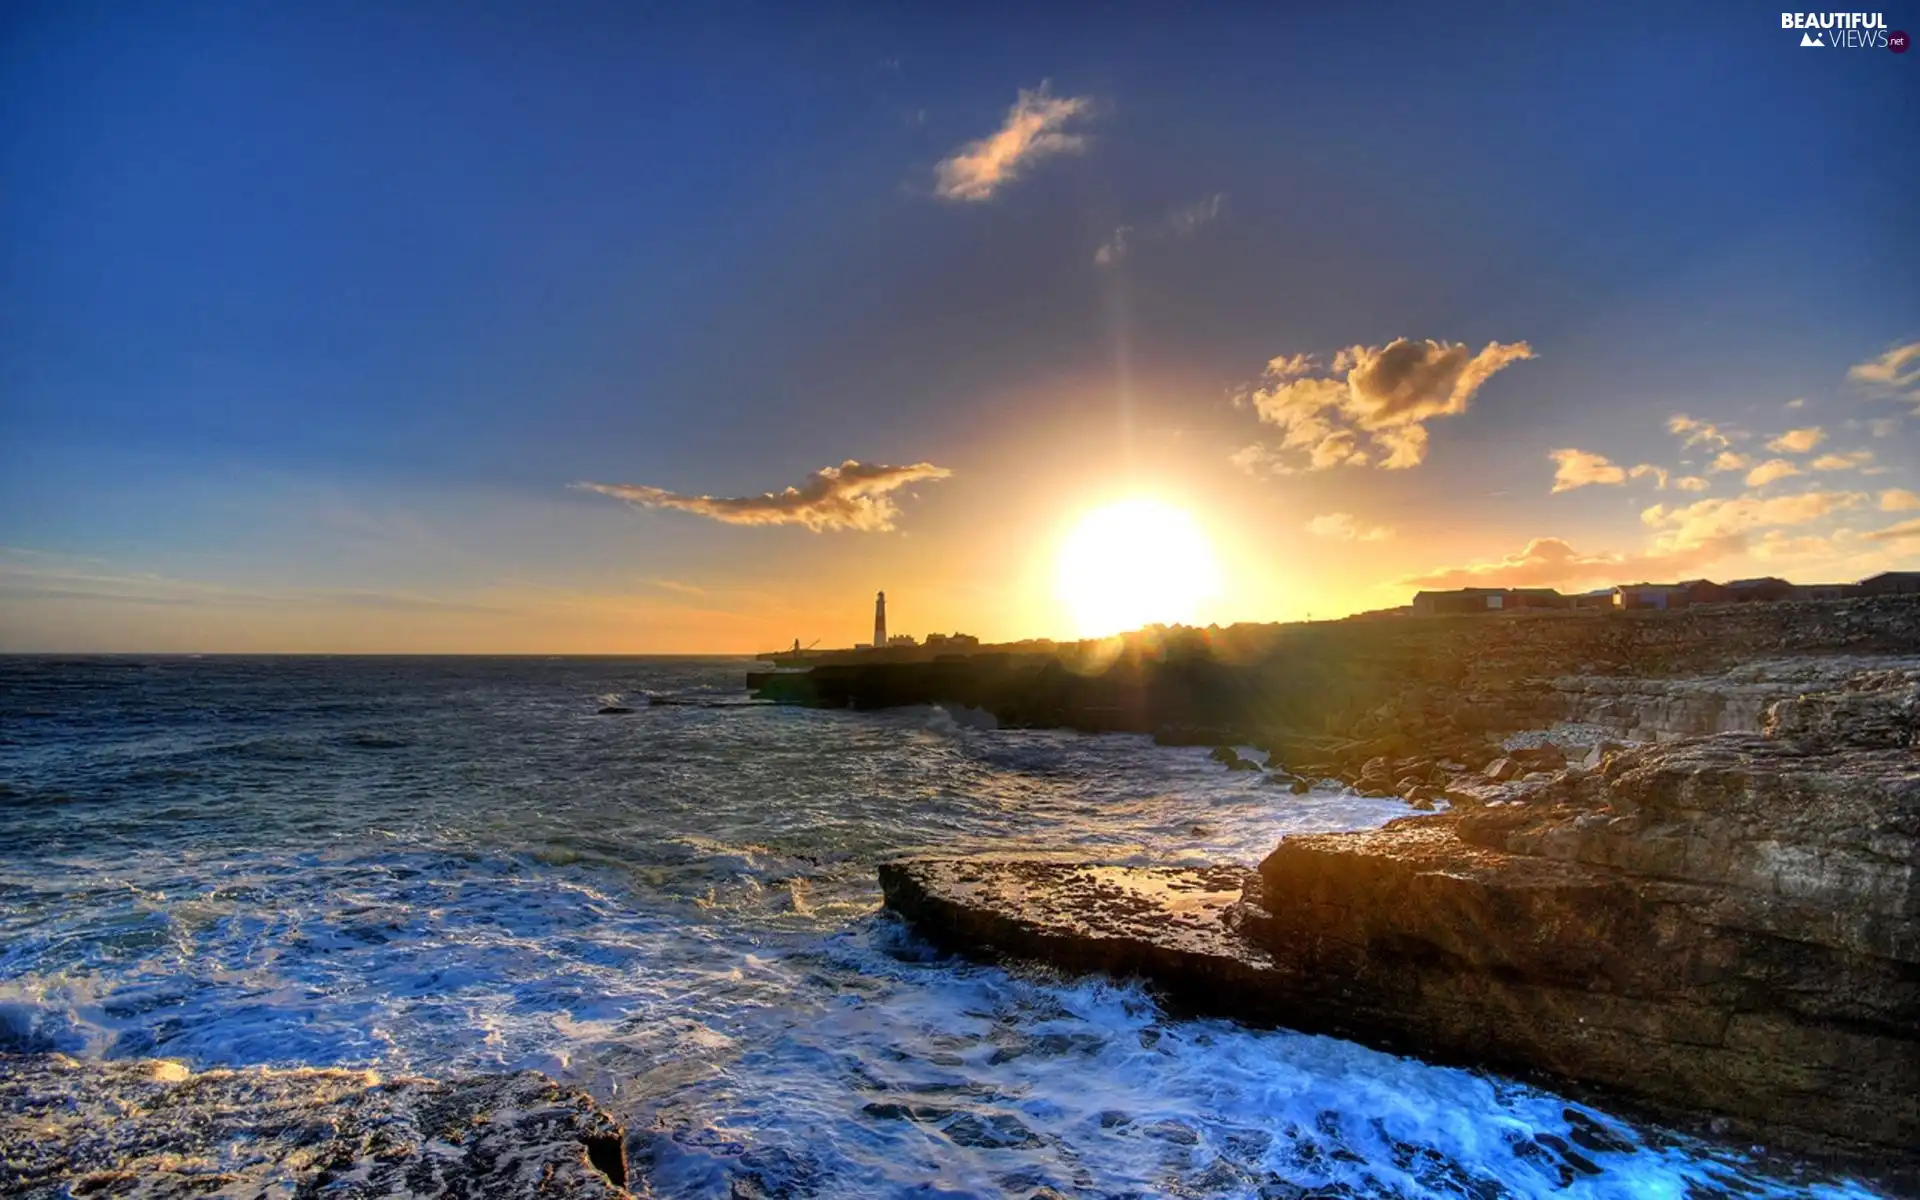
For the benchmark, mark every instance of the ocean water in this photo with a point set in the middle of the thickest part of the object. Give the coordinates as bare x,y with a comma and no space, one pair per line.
445,865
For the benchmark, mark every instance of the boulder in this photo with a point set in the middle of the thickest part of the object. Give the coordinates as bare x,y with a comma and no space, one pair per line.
1502,769
613,710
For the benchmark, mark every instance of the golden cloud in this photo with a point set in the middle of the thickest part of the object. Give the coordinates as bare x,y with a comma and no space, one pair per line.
853,496
1032,131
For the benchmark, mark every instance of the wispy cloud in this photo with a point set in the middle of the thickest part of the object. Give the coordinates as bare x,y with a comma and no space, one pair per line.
1691,483
1694,432
1344,527
1182,222
1898,500
852,496
1034,129
1729,460
1895,374
1904,531
1384,394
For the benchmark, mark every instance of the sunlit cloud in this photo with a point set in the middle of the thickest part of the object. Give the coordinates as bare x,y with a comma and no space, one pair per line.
1034,129
1798,441
1767,472
852,496
1729,460
1552,562
1895,374
1645,470
1578,468
1384,394
1850,461
1345,527
1904,531
1694,432
1691,483
1706,522
1899,500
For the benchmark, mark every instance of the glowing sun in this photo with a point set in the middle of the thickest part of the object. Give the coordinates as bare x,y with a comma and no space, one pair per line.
1134,563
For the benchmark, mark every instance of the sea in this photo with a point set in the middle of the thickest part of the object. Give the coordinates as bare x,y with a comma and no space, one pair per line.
434,866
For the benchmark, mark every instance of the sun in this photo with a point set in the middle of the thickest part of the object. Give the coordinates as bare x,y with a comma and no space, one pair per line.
1134,563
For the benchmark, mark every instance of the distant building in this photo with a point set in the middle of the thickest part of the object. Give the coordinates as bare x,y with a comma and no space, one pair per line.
902,639
1459,600
1705,591
1828,591
880,619
952,641
1650,595
1765,589
1598,598
1890,583
1484,600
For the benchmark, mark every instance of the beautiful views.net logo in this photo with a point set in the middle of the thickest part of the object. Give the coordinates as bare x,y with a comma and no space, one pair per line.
1844,30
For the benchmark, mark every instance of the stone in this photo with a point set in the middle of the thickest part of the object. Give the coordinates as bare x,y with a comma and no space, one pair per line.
613,710
151,1127
1225,754
1502,769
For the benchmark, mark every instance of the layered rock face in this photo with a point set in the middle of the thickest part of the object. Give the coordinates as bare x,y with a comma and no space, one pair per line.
1726,925
150,1128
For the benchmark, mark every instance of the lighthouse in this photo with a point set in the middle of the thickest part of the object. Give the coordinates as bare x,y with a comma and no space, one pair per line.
880,621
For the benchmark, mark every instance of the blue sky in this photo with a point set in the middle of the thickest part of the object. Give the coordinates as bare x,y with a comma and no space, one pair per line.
319,310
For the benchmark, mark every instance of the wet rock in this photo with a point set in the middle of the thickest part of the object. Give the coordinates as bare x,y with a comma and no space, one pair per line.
1719,927
612,710
152,1128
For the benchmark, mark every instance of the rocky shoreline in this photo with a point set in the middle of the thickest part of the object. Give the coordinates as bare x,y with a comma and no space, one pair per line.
1696,893
151,1128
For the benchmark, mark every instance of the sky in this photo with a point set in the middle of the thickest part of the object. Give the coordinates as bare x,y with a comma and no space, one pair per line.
507,327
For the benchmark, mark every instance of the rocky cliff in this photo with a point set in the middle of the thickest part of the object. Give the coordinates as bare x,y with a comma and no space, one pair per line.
1725,925
151,1128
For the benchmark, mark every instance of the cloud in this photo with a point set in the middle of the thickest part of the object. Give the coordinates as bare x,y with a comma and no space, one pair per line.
1385,394
1883,427
1551,562
1856,459
1258,460
1182,222
1798,441
1728,460
1034,130
852,496
1895,372
1699,433
1706,522
1114,248
1342,527
1186,220
1896,533
1898,500
1691,483
1577,468
1770,470
1796,405
1645,469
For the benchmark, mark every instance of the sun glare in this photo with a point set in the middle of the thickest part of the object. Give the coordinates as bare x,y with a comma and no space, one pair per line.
1135,563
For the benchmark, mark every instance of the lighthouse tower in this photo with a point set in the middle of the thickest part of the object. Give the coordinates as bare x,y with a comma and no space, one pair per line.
880,621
